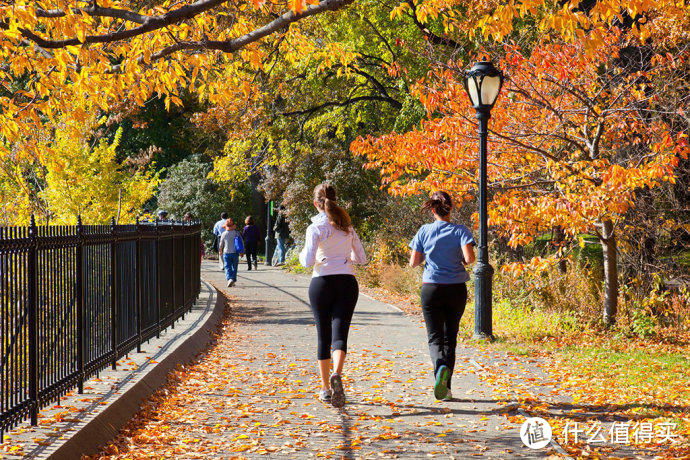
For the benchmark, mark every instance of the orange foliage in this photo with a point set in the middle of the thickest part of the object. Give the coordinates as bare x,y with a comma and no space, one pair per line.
575,133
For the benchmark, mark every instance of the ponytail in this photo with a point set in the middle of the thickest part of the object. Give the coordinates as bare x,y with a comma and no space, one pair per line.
440,203
324,194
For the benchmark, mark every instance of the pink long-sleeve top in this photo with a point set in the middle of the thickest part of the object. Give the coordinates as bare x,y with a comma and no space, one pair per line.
329,250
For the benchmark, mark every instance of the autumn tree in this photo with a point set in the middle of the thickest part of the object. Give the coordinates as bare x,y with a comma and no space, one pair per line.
63,59
82,176
351,77
578,131
187,188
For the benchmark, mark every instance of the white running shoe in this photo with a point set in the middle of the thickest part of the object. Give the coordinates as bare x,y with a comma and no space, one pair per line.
229,283
325,395
448,397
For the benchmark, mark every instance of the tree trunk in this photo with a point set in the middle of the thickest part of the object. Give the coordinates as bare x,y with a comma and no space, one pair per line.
258,203
609,247
558,238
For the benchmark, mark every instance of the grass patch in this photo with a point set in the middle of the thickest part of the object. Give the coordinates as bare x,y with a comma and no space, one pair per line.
630,376
292,265
519,327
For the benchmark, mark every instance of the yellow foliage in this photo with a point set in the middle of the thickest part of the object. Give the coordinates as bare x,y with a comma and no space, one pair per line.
74,176
87,180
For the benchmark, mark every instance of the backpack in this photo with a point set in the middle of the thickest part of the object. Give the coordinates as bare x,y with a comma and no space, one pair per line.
239,244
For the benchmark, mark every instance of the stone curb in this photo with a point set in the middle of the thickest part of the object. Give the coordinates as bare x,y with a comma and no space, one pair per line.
105,425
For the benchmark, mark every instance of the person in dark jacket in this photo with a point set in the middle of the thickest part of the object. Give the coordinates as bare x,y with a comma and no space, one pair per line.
251,236
282,233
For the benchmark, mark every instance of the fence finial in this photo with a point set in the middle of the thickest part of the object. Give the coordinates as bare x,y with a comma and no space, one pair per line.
33,220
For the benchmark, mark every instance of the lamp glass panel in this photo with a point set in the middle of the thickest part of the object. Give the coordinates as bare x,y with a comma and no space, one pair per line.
490,88
472,84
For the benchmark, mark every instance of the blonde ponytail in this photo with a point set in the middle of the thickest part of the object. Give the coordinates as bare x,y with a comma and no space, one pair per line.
324,194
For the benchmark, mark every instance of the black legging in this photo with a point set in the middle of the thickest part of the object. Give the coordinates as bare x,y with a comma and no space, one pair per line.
443,306
333,299
250,252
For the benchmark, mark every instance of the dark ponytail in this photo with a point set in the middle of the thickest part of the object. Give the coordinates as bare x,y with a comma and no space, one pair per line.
324,195
440,203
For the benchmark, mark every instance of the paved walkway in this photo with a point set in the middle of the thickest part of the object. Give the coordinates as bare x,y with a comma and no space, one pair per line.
253,392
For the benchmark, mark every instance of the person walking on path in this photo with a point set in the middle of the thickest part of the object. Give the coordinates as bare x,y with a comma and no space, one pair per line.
331,247
447,248
227,247
251,237
218,229
282,231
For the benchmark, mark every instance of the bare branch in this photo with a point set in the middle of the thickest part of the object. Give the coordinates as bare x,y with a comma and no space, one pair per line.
432,37
311,110
187,12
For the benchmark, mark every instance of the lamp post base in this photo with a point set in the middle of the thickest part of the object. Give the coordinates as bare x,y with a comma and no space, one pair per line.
483,274
483,337
270,247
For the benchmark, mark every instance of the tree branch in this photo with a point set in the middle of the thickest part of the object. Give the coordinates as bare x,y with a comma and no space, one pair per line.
432,37
383,39
187,12
311,110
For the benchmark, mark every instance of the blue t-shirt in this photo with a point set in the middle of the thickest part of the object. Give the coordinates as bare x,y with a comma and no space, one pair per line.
441,243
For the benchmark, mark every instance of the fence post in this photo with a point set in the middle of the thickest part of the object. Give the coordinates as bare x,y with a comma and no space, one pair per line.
158,281
113,290
184,269
138,285
197,272
33,320
172,277
80,304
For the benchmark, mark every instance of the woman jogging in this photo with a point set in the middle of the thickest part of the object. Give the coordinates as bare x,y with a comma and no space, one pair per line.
226,247
331,247
447,248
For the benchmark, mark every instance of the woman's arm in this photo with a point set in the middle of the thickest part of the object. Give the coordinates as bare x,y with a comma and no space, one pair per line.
416,258
307,256
468,253
221,244
357,255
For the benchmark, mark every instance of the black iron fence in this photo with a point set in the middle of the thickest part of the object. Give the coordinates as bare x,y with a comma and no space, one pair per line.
75,299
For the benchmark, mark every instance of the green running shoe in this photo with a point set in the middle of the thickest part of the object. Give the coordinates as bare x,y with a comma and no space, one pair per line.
441,385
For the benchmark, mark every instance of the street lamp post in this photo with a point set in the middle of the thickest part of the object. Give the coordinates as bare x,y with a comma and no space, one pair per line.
483,84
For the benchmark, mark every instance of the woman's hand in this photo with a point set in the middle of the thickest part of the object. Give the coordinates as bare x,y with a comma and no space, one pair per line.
416,258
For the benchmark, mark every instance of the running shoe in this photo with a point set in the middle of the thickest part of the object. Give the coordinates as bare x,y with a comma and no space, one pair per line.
229,283
449,396
338,397
325,395
441,386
